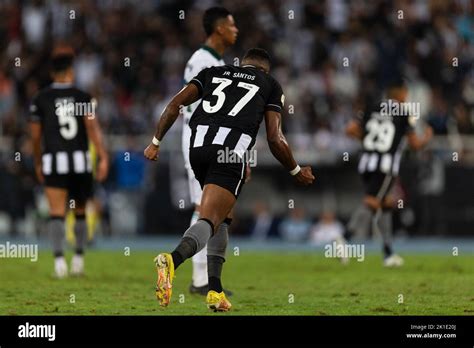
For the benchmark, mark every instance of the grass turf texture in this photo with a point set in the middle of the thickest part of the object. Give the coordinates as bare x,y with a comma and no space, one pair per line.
264,283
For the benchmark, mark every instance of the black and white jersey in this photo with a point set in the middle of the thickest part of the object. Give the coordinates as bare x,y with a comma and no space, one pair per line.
383,139
61,108
234,100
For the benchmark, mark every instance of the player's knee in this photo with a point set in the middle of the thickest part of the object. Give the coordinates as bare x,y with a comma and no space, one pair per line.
217,245
57,210
213,219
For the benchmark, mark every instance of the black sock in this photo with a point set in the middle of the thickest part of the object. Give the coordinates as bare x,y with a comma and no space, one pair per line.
215,284
185,249
214,270
387,250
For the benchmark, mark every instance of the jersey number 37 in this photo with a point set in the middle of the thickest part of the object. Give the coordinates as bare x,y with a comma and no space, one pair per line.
219,92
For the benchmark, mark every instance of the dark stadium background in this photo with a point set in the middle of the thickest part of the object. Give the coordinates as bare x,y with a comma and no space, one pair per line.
433,44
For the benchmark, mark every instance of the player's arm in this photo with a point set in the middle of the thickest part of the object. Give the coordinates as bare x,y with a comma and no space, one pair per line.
281,150
354,129
35,134
415,142
188,95
95,135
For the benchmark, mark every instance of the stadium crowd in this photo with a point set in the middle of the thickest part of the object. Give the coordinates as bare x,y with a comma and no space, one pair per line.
132,57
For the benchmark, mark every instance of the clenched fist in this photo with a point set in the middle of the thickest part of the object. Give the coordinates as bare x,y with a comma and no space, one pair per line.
305,176
151,152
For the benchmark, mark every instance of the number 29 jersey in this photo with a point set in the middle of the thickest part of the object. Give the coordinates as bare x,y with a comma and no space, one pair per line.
383,139
233,102
61,108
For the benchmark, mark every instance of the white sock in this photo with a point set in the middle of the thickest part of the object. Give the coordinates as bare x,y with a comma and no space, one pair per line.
200,270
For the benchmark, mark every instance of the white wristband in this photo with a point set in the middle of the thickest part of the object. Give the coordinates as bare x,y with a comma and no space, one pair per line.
155,141
296,170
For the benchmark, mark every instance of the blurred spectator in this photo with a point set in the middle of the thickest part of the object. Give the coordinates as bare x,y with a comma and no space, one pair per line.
346,49
263,221
326,230
295,227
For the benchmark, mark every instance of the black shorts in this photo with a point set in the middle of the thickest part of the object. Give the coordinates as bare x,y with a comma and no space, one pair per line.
211,166
377,184
79,186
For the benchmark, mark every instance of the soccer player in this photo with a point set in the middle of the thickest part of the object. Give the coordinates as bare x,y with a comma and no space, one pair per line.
221,32
234,102
62,122
382,130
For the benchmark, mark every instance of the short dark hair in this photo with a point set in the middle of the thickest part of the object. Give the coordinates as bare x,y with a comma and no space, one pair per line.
61,62
211,16
258,54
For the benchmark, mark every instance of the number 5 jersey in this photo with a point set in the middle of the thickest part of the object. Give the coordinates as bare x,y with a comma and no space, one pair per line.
61,108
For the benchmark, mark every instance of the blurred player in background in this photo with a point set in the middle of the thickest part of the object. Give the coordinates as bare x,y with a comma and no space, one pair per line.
221,33
382,129
62,123
234,102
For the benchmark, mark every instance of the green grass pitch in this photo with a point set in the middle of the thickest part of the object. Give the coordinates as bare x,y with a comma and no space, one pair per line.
265,283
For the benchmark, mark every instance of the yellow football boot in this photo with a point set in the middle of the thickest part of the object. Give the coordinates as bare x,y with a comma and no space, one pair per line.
165,269
217,301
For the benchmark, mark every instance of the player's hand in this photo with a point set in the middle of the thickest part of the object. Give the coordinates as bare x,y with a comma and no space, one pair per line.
248,174
39,173
102,169
151,152
305,176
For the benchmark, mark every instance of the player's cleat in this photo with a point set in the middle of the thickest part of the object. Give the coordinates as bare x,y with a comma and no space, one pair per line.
60,267
165,269
199,290
393,261
77,265
202,290
217,301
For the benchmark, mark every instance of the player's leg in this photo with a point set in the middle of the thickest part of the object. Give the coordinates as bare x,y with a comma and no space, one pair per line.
385,223
360,223
386,229
378,188
216,248
199,276
215,205
80,234
199,261
80,191
56,197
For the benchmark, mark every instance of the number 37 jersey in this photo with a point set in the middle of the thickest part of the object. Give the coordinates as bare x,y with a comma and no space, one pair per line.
61,108
383,138
233,103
